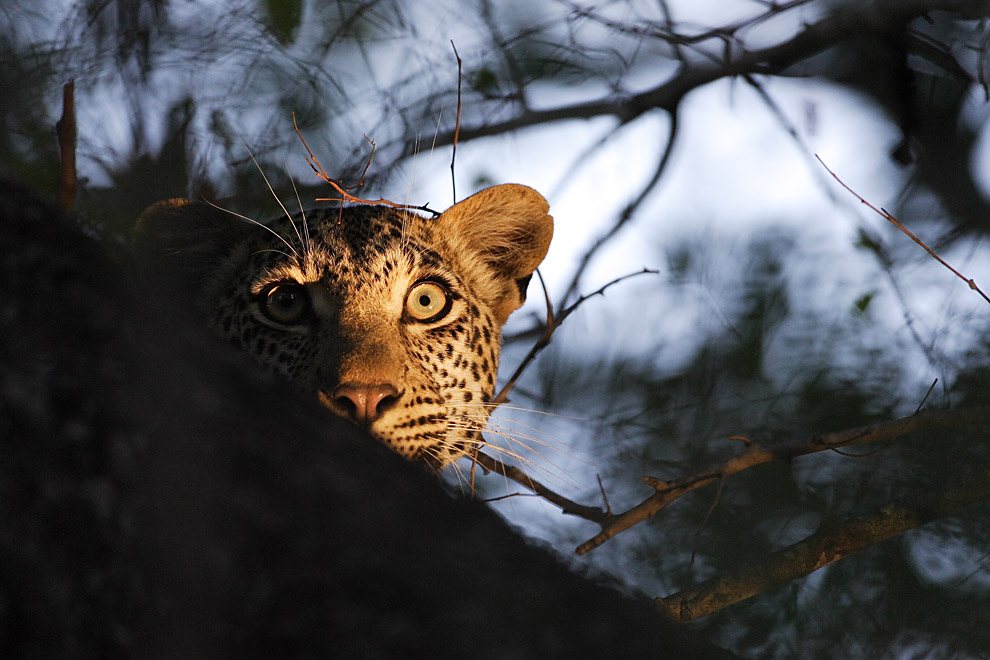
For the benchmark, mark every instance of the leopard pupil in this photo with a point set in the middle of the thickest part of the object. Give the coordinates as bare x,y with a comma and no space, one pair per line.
424,300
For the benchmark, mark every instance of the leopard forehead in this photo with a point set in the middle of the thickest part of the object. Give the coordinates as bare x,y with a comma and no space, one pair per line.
350,248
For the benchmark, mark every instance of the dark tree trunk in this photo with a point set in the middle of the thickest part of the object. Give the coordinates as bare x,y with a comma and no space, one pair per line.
159,498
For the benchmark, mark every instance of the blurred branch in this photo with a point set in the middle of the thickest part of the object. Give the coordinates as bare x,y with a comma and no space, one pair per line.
552,323
890,218
854,20
627,212
65,128
829,544
669,34
756,454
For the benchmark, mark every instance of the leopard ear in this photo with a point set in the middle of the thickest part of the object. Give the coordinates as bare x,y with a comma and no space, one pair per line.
183,241
509,229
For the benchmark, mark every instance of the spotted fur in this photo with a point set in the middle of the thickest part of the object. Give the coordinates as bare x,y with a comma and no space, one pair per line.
391,318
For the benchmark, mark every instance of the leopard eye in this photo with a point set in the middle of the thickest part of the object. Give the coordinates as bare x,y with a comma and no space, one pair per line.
427,302
285,303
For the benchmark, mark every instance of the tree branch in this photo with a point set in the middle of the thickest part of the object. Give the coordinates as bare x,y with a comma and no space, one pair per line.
827,545
756,454
853,21
552,323
571,507
886,215
627,212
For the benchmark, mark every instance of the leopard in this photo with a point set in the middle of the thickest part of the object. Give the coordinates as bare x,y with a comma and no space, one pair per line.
390,317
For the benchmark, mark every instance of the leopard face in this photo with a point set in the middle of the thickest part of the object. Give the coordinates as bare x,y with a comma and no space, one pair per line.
391,319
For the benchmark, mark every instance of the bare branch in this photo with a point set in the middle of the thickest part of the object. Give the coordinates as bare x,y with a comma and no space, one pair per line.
457,123
345,196
519,476
627,213
854,21
552,323
829,544
676,39
756,454
894,221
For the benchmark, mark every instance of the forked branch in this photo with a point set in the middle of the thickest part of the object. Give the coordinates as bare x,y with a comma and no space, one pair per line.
346,196
552,323
566,505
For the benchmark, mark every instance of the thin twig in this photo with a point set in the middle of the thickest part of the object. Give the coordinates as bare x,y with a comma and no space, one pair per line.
345,196
541,343
704,521
457,124
367,165
552,323
890,218
591,513
627,212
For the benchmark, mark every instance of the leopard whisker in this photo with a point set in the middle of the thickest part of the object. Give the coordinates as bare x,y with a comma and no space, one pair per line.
262,225
521,447
556,444
468,466
462,476
307,244
505,451
274,194
284,254
465,471
546,466
534,411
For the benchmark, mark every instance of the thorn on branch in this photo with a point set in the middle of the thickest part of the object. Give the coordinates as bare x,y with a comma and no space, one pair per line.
927,394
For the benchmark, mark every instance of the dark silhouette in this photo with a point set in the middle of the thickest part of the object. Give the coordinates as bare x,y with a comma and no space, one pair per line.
161,498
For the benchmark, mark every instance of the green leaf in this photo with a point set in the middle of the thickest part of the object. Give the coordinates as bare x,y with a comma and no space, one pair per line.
485,80
864,301
283,18
866,241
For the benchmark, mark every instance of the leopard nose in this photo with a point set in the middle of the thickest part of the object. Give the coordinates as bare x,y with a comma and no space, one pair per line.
362,403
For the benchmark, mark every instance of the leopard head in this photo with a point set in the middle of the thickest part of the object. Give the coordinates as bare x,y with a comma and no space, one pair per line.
391,319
